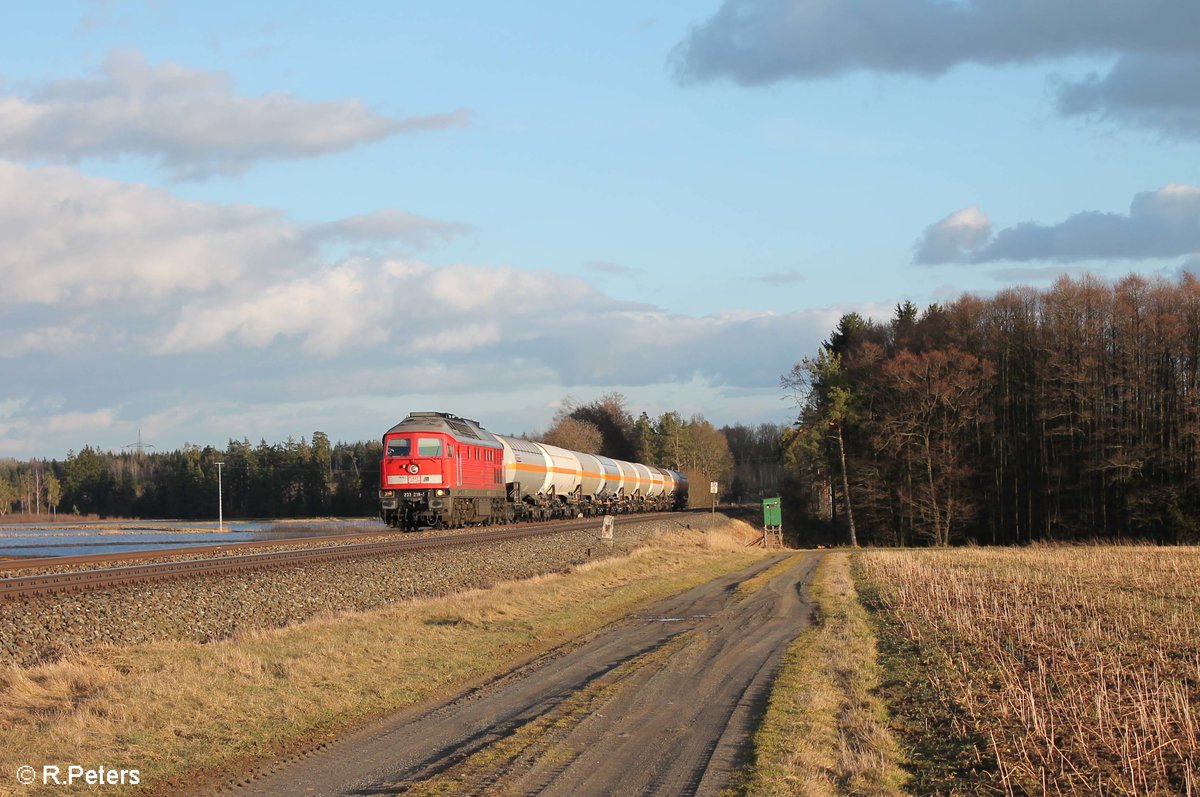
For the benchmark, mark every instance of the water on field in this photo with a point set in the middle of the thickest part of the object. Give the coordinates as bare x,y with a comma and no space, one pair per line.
26,540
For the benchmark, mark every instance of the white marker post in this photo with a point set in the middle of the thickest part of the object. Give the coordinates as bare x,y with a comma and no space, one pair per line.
712,488
220,501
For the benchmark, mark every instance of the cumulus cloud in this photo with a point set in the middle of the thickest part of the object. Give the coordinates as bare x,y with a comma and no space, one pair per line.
1153,83
761,41
1157,92
127,306
330,311
78,240
357,304
79,422
954,237
49,339
1162,223
191,121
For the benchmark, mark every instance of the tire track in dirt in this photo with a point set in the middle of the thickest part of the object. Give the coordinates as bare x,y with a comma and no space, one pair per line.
660,703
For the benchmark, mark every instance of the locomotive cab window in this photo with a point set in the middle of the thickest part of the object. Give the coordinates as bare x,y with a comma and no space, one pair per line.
429,447
399,447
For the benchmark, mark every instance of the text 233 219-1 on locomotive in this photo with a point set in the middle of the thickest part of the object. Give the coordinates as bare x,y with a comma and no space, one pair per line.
441,470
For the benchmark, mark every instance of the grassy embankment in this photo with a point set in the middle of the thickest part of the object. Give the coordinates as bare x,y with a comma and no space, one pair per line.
825,732
1056,670
171,709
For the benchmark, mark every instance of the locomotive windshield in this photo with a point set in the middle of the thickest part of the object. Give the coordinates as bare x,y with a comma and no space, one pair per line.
399,447
429,447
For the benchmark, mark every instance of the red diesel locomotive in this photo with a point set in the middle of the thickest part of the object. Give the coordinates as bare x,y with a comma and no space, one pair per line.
441,470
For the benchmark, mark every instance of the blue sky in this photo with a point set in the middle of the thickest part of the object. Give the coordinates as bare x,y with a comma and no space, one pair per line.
263,219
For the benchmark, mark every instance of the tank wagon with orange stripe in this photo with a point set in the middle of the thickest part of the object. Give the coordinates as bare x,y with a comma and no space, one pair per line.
441,470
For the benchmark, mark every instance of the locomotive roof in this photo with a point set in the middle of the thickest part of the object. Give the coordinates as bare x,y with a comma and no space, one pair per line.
463,429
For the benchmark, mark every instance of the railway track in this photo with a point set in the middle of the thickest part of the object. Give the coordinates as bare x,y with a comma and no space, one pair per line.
105,578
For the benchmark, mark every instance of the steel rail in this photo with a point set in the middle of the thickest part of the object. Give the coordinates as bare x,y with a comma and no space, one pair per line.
96,579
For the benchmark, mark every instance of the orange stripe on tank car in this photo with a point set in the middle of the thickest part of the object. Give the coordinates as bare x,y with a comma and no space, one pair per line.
540,469
607,477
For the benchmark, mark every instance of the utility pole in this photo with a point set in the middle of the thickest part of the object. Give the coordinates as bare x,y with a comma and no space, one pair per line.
220,501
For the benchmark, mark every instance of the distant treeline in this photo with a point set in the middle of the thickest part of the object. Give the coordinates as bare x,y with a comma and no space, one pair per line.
1070,413
314,477
290,479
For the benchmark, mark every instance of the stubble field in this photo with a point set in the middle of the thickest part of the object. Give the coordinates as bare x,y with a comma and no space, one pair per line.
1044,670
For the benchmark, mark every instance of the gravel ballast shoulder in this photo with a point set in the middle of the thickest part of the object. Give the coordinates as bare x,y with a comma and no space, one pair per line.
202,609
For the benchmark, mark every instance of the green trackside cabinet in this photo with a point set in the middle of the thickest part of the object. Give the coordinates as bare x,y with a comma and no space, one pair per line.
772,517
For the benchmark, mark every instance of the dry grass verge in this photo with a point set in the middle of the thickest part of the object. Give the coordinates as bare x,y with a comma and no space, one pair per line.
825,732
1074,669
175,709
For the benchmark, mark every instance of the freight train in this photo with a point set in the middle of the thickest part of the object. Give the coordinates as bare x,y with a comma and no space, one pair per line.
443,471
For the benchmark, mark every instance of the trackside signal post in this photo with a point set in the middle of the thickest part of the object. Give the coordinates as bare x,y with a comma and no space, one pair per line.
713,487
772,522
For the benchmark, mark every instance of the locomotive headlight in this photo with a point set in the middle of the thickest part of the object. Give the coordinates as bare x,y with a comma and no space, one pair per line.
388,493
413,468
441,492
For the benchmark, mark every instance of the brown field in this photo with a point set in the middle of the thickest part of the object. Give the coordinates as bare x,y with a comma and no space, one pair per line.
1077,668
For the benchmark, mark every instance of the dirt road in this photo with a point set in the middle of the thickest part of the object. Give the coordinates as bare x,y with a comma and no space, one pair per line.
661,703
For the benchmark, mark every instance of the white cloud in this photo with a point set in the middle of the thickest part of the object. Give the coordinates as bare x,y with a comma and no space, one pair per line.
49,339
467,288
70,239
127,307
81,423
330,311
952,238
189,120
1160,224
10,406
459,338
